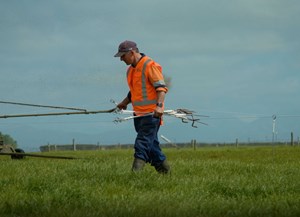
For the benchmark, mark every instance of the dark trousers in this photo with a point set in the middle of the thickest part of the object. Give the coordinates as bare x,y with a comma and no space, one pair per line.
147,144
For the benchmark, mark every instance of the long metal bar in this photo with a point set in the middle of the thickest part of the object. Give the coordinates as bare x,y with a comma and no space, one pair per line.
58,113
39,155
42,106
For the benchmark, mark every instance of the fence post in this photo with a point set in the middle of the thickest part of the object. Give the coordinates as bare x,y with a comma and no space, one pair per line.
292,139
74,145
237,142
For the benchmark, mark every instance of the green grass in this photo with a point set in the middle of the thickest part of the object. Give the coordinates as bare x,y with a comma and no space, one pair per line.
251,181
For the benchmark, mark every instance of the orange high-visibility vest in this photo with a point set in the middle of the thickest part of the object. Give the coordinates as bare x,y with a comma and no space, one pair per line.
144,81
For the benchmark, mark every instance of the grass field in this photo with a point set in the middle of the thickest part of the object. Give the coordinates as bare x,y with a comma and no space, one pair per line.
228,181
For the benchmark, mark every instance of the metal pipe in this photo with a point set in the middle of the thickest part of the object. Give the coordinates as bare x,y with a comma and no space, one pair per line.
39,155
43,106
58,113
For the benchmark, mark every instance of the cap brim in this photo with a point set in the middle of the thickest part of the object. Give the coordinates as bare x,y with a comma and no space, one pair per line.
119,54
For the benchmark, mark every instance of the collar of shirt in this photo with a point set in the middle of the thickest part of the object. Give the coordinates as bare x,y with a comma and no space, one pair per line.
143,55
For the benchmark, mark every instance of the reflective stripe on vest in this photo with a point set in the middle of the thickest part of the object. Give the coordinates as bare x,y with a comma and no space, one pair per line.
145,100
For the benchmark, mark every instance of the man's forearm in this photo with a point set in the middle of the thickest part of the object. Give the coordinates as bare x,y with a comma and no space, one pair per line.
126,101
161,96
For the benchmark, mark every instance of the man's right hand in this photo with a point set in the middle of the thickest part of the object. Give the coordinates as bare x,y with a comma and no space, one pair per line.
122,106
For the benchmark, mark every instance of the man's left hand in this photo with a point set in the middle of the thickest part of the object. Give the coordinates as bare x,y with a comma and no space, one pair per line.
158,112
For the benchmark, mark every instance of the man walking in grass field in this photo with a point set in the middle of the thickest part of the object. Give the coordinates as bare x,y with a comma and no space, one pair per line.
147,90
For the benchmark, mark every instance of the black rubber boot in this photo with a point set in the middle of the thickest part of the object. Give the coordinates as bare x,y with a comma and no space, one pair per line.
138,165
163,168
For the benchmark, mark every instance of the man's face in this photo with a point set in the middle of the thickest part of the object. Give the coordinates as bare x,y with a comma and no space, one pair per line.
127,57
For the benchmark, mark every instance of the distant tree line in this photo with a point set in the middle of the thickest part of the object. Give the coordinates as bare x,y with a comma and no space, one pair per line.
7,139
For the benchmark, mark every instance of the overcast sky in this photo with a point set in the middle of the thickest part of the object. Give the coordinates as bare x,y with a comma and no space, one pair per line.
227,59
